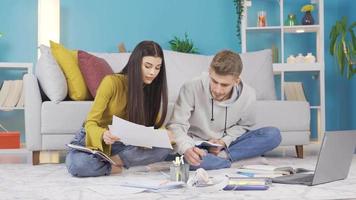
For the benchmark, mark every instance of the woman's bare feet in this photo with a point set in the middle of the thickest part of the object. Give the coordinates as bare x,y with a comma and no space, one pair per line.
116,169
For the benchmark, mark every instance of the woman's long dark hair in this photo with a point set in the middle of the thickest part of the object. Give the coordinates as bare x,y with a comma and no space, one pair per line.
144,101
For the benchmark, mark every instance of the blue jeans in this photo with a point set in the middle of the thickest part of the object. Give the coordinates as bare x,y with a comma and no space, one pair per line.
250,144
82,164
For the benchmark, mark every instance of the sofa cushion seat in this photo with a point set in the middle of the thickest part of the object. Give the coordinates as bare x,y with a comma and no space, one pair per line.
65,117
285,115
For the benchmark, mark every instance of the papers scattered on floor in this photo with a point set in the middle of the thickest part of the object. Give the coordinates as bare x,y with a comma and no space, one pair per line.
268,170
138,135
153,185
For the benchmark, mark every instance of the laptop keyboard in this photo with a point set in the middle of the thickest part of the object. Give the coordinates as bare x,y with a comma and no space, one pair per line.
306,178
295,179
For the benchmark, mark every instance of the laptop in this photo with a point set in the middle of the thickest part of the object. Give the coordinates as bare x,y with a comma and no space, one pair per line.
334,160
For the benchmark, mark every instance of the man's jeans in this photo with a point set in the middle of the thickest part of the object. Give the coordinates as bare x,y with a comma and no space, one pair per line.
250,144
84,164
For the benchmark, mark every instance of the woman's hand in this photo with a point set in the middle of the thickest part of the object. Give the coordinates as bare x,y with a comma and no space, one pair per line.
171,136
109,138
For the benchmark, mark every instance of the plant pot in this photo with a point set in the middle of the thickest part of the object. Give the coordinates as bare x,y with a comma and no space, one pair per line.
308,19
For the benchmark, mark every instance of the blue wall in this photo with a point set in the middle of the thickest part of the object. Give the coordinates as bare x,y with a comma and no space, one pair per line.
100,25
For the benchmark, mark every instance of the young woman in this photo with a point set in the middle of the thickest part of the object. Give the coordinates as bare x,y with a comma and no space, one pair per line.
138,94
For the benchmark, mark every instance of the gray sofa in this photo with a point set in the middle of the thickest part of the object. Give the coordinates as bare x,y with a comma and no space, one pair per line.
51,124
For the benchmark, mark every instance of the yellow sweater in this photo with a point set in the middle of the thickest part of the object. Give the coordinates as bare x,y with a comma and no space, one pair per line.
111,99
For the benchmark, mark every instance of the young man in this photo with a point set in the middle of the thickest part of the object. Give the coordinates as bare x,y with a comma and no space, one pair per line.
218,107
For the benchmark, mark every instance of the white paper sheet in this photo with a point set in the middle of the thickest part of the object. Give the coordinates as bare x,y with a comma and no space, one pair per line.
138,135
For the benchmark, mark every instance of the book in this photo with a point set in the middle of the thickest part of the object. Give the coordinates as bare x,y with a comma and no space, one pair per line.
92,151
269,170
4,92
21,100
14,93
294,91
202,143
244,183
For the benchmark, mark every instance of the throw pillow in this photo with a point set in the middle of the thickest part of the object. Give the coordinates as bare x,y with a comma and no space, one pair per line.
68,62
93,69
258,73
50,76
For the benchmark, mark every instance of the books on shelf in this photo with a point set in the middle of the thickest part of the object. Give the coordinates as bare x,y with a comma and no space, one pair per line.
11,93
4,91
92,151
294,91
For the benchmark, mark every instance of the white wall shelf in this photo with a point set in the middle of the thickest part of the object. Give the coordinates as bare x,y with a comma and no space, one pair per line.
22,151
280,31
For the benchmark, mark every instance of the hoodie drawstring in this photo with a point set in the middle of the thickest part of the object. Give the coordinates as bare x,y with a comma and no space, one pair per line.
212,110
212,116
225,121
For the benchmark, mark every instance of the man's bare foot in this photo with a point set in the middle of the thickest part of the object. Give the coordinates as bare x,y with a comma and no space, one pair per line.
116,169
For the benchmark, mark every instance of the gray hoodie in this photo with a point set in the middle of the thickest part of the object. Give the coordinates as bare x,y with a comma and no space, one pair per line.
196,116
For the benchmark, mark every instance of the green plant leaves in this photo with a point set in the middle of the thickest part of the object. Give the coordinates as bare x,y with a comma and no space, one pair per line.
239,6
343,46
184,45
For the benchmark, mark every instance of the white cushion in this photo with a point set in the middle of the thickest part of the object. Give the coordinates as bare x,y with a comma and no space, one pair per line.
258,73
183,67
50,76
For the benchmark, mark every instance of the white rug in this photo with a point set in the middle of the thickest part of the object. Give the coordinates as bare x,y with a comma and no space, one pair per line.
23,181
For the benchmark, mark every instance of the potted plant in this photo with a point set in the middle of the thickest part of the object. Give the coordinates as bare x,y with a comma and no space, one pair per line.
343,46
183,45
239,6
308,17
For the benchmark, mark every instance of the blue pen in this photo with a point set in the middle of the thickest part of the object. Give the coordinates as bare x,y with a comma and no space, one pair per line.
248,174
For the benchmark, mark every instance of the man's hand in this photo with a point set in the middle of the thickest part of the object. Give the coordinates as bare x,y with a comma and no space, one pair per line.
216,150
194,156
109,138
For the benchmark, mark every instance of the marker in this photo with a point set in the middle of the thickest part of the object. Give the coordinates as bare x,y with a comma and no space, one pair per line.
248,174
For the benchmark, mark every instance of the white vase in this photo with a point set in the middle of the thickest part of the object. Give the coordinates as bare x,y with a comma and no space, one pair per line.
309,58
291,59
299,58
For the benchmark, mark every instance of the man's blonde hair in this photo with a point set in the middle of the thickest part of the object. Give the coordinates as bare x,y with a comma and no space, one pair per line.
227,62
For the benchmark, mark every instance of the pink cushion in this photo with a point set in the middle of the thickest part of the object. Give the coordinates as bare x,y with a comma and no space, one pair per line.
93,69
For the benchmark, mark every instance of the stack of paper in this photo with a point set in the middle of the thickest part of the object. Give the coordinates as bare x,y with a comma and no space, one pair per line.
239,183
138,135
154,184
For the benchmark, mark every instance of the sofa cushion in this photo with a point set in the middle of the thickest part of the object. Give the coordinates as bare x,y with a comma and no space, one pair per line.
183,67
65,117
258,73
93,69
68,62
285,115
50,76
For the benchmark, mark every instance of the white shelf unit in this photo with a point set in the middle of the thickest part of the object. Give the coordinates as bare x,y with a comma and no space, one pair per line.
283,67
22,152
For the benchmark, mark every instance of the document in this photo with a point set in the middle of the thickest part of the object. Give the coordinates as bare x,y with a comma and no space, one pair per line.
139,135
154,185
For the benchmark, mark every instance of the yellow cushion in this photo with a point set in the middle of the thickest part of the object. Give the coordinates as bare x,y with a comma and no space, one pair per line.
68,61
